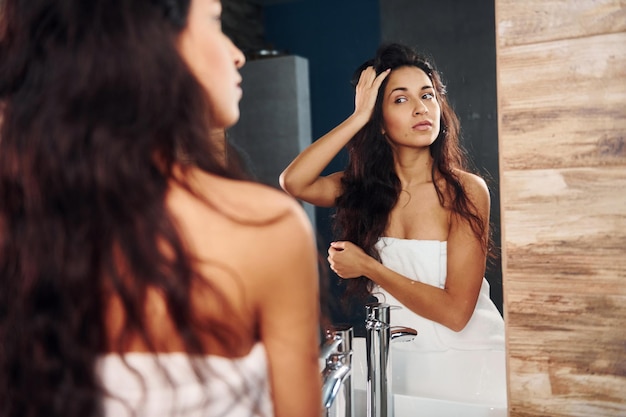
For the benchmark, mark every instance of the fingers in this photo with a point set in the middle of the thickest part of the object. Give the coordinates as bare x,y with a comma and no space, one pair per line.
334,248
338,271
368,77
341,259
339,245
332,265
381,77
367,91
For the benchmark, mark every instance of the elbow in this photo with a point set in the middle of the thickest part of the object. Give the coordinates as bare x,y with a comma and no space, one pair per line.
458,322
457,327
285,184
459,311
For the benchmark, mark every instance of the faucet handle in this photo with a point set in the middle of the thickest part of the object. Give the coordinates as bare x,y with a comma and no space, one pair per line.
330,347
338,341
377,313
402,334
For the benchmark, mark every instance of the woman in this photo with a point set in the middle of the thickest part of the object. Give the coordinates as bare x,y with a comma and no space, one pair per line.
137,278
405,199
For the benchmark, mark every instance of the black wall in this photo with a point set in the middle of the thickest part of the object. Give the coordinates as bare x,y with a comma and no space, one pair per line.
460,37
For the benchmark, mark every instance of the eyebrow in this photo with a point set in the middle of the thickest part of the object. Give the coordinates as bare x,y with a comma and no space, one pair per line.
426,87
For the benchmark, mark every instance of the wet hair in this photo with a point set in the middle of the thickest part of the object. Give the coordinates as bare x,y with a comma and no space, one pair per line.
96,107
370,186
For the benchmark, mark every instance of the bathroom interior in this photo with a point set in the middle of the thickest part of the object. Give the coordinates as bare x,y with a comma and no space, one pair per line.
541,125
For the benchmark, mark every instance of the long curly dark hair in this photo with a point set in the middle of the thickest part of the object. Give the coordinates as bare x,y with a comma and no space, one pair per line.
370,185
96,107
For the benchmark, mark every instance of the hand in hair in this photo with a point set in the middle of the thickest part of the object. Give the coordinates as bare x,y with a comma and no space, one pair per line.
367,91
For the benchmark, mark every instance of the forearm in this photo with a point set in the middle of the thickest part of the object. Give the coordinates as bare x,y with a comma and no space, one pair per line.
302,177
433,303
307,167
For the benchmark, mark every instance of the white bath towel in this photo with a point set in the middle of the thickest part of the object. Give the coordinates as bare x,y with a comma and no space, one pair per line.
426,261
234,387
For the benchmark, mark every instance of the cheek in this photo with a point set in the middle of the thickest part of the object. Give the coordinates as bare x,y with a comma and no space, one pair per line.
437,121
437,110
223,114
198,59
207,69
437,128
224,105
391,121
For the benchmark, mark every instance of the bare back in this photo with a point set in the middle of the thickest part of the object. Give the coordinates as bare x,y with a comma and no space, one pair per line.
236,237
256,247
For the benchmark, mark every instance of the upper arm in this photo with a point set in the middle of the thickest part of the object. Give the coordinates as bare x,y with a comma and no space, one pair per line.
467,254
322,192
289,317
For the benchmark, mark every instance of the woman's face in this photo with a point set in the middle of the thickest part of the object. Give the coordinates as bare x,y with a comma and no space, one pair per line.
411,113
213,59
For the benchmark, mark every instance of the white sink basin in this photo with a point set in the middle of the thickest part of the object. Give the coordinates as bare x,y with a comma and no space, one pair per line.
436,384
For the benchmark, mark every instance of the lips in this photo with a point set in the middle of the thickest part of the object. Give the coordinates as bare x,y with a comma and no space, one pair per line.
238,86
423,125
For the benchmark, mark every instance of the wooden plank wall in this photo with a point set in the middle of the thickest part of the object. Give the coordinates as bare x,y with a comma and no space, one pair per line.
562,120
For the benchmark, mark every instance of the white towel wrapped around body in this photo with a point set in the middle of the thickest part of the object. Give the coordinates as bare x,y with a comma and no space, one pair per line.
426,261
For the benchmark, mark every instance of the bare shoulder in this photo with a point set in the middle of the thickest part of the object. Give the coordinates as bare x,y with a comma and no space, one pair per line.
231,209
245,200
474,185
254,201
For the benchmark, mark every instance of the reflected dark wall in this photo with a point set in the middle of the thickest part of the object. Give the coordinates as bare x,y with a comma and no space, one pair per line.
460,37
337,36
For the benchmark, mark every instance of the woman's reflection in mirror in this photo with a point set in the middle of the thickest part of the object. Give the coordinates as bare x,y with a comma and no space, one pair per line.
411,220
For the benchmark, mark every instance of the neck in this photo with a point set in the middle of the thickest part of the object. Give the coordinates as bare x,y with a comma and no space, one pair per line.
414,169
218,137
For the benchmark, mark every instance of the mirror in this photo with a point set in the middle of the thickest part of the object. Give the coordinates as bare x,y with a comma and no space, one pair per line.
335,37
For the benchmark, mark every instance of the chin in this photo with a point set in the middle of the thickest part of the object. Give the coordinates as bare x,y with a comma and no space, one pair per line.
226,120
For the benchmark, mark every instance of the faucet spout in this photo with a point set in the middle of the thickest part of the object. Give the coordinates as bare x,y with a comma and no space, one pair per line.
378,338
333,378
337,373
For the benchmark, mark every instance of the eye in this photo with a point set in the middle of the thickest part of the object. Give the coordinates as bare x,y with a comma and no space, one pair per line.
400,99
428,96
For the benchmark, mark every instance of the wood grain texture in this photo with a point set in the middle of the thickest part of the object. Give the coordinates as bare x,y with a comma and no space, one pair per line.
569,95
569,224
562,124
532,22
565,295
565,353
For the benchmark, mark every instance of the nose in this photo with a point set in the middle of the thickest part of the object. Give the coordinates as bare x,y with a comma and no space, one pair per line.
238,56
421,108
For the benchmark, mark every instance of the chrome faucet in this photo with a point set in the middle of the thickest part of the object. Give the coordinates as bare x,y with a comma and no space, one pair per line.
378,337
337,373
